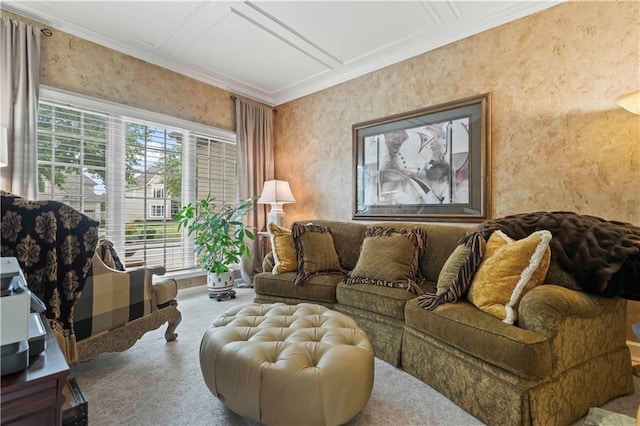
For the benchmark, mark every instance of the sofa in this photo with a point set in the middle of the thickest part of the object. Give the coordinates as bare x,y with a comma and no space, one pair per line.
93,304
565,353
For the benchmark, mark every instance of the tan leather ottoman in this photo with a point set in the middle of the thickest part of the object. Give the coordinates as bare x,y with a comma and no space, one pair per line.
288,364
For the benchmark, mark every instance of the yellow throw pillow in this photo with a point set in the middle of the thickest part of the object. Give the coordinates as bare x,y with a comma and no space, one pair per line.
508,270
284,253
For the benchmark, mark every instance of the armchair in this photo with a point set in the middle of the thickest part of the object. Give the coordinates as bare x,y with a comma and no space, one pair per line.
91,307
117,306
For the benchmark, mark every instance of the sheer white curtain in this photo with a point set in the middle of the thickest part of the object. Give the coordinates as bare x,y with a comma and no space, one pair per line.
254,130
19,79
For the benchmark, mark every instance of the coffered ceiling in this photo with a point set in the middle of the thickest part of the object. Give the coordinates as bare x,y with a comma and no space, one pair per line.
274,51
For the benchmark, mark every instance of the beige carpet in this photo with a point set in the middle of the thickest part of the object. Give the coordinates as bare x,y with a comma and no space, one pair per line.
159,383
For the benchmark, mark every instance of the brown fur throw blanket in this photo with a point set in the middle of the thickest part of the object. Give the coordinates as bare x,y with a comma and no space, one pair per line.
604,256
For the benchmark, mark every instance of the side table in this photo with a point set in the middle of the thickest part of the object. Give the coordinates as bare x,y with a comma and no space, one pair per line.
34,396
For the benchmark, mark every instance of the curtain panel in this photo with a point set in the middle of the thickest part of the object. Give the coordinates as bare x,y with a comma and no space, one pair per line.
254,130
19,81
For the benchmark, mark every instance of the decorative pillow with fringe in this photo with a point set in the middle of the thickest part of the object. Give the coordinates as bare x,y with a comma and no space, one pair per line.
457,272
390,257
315,251
509,269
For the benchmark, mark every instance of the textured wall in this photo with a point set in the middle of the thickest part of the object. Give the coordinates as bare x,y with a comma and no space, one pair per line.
74,64
558,140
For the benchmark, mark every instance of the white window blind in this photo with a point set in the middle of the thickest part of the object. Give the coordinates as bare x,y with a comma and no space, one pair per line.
132,170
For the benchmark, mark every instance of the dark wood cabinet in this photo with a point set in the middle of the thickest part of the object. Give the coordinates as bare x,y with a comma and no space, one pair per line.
34,396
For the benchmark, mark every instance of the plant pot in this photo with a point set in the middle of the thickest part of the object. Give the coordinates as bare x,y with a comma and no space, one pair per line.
219,283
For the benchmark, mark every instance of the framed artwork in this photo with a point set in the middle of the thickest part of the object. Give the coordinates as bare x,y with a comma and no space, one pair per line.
427,165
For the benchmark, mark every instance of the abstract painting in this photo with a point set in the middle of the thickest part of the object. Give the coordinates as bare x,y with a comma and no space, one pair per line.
430,164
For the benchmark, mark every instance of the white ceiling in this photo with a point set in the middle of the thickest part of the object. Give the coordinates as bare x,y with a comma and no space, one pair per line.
274,51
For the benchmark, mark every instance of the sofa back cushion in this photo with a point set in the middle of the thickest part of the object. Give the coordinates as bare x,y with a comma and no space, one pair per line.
347,237
441,241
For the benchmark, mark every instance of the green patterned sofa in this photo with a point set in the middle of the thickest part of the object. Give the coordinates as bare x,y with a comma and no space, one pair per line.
567,353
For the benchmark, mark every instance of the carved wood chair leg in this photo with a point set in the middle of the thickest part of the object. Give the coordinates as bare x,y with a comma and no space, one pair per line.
170,334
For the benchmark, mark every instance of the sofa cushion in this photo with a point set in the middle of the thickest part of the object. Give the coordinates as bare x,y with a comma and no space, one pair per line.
284,253
390,257
381,300
470,330
315,251
165,290
347,238
509,269
318,288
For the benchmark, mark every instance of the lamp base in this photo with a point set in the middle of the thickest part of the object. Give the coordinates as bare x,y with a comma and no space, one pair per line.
276,215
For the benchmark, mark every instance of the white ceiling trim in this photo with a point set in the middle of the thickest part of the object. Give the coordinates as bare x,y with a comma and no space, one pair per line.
432,12
415,47
277,32
335,70
333,60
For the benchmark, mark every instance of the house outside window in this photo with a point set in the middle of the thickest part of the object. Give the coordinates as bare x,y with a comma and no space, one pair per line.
132,170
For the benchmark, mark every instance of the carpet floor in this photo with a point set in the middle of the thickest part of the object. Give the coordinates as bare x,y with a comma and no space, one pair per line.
160,383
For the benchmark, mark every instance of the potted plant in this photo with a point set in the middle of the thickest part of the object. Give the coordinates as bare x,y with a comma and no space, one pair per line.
220,239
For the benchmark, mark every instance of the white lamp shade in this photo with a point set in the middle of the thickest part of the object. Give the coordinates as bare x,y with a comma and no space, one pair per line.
630,102
4,156
276,191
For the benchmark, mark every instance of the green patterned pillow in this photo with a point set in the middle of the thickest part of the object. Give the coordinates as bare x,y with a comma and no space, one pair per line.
390,257
457,272
315,251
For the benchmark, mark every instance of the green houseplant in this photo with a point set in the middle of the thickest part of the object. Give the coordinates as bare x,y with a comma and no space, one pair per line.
220,237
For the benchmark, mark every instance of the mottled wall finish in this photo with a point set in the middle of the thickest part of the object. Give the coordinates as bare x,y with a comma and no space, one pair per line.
71,63
558,140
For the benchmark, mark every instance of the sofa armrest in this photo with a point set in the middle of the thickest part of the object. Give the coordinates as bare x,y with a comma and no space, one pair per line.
580,326
544,308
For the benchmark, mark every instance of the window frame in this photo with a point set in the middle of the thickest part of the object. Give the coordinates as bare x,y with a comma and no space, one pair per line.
191,131
153,207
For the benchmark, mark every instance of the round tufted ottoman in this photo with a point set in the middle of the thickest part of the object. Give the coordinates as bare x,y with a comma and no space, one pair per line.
288,364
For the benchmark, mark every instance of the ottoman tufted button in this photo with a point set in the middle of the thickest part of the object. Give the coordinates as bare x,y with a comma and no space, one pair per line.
300,364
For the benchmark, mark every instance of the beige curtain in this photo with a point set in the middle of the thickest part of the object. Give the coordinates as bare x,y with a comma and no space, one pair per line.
254,130
19,80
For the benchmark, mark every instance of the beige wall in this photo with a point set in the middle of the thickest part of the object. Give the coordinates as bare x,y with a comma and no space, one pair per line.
558,140
74,64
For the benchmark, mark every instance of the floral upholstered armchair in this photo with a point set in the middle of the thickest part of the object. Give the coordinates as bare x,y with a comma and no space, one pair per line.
55,246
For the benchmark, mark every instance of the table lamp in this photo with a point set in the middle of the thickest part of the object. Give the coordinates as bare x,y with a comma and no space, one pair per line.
276,193
630,102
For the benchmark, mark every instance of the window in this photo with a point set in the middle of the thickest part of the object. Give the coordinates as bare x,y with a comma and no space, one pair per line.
132,170
156,210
